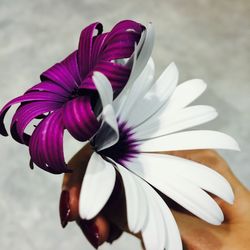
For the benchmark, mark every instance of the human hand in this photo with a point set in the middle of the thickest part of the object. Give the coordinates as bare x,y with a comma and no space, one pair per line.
234,232
195,233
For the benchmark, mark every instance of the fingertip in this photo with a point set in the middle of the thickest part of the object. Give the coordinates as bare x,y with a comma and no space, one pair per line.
115,233
68,205
96,230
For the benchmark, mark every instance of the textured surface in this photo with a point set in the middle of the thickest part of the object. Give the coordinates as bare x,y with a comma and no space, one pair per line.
207,39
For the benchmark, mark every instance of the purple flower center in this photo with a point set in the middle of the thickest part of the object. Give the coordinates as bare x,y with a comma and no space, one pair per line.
76,92
126,147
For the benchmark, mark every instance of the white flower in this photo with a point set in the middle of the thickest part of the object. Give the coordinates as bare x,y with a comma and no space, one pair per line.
145,118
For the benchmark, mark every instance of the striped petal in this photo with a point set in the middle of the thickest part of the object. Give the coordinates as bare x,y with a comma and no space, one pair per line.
46,144
25,114
28,97
71,64
100,52
60,74
117,74
51,87
85,48
79,118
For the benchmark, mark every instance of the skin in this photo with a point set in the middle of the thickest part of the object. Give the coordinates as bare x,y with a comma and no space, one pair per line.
196,234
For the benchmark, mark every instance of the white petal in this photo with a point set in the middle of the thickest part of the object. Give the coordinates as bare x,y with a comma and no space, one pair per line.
141,56
108,133
155,97
103,87
152,226
97,186
159,229
137,91
173,122
144,52
155,232
173,239
185,94
136,202
200,175
196,139
188,195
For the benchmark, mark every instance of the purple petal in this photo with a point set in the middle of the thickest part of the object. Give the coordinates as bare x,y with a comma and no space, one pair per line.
46,144
95,53
31,96
121,40
72,65
79,118
25,114
126,25
63,74
51,87
85,48
121,46
116,73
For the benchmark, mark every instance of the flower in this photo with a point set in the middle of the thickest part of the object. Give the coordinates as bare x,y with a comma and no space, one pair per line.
148,117
66,95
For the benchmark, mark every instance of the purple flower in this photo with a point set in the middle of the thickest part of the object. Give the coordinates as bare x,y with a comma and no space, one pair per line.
65,96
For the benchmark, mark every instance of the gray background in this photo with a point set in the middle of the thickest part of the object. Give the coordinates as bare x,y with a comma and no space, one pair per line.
207,39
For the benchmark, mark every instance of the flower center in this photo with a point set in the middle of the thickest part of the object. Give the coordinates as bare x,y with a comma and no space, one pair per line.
76,93
126,147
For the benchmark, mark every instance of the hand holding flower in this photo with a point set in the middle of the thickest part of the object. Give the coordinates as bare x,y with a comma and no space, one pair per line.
195,233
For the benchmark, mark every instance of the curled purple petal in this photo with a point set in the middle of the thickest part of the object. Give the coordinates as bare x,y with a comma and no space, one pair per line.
121,46
25,114
28,97
117,74
64,98
60,75
72,65
99,52
124,26
51,87
46,144
97,48
79,118
85,47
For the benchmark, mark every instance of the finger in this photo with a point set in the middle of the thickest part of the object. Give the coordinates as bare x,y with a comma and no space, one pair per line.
100,228
114,233
97,230
72,185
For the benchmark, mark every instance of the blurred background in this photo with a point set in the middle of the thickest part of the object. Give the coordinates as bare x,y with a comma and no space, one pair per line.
206,39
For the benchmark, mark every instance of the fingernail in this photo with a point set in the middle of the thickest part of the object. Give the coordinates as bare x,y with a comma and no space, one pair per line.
90,230
114,234
64,208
